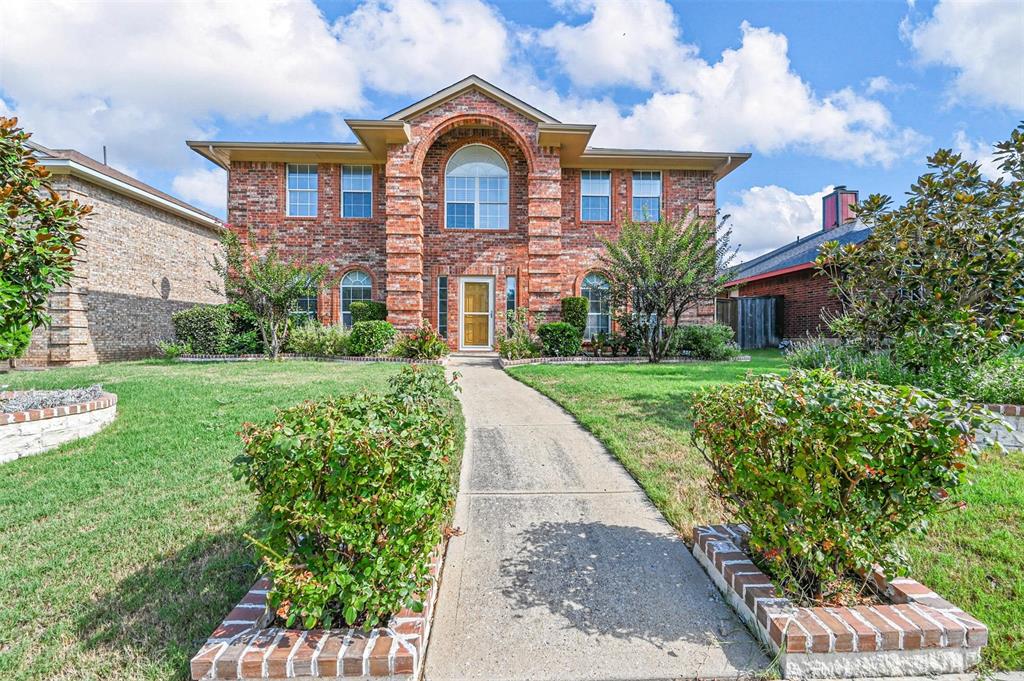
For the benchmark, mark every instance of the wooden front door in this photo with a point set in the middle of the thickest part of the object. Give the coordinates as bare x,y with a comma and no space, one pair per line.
477,314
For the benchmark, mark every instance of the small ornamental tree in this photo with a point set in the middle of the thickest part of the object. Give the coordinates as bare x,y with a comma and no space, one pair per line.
268,284
39,236
658,270
941,278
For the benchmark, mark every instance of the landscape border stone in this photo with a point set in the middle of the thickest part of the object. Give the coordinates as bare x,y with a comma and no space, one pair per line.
33,431
917,633
582,359
311,358
1013,416
245,647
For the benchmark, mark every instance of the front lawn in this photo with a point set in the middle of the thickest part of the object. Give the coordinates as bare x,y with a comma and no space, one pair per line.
123,551
974,558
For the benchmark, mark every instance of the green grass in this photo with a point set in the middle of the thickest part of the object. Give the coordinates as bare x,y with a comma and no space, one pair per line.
121,552
974,558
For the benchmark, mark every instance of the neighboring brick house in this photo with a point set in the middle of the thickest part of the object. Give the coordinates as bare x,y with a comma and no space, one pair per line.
459,207
144,255
788,273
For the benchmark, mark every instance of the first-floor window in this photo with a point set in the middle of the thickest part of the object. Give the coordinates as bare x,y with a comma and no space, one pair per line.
647,195
305,310
355,285
442,306
599,319
510,300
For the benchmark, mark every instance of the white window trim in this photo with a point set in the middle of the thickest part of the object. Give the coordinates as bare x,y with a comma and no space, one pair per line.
476,196
634,195
590,314
341,298
341,180
288,190
582,195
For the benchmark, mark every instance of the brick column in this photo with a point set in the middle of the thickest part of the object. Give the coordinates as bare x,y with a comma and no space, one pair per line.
544,235
404,246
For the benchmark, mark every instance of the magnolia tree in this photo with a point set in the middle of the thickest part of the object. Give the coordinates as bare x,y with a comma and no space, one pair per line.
39,235
268,284
941,278
659,270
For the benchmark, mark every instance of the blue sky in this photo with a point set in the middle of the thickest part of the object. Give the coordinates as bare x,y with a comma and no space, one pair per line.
821,93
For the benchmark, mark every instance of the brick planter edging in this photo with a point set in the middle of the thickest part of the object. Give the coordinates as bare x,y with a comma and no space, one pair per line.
34,431
311,358
244,647
604,360
103,402
917,633
1011,437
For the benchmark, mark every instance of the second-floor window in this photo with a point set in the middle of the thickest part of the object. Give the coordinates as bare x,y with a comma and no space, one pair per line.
356,191
596,191
647,195
476,189
302,190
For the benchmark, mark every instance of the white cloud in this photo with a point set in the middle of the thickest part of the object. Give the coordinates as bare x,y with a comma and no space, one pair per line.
883,84
205,187
770,216
980,151
142,77
980,39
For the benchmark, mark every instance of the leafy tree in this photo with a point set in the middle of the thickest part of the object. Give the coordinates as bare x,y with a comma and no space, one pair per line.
39,236
941,278
658,270
268,284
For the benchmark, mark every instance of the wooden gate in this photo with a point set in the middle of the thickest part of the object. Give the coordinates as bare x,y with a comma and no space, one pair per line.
756,321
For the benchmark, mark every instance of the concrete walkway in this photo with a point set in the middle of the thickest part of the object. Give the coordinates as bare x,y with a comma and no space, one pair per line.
565,569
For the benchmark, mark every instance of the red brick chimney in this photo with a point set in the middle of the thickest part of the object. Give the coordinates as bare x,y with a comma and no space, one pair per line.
836,208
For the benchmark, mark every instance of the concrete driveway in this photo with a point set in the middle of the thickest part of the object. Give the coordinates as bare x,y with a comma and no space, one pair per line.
565,569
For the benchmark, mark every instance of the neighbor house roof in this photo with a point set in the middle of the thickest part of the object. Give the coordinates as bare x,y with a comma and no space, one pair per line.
375,135
75,163
796,255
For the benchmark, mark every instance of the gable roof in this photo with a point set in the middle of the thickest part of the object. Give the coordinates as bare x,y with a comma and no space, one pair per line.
72,162
468,84
796,255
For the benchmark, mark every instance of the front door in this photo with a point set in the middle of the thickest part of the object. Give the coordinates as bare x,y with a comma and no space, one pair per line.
477,313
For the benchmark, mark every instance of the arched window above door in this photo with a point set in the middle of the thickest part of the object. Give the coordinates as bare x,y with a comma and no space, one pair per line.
476,189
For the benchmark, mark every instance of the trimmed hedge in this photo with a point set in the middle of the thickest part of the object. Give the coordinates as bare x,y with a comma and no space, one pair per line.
574,311
370,338
368,311
830,474
356,492
205,329
560,339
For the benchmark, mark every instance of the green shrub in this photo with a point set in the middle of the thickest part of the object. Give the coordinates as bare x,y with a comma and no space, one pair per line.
245,332
630,342
850,362
356,492
518,343
368,311
204,328
999,380
703,341
171,349
574,311
315,339
423,343
830,473
560,339
370,338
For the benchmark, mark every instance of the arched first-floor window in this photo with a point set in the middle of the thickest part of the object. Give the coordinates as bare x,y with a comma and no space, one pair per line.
356,285
599,318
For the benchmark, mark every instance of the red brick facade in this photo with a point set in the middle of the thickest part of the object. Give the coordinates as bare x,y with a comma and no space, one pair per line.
405,246
806,297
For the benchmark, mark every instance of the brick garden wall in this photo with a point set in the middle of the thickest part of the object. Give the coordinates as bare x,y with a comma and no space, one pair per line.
138,264
805,296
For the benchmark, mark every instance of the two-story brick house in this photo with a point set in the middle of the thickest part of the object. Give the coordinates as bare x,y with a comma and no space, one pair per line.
458,207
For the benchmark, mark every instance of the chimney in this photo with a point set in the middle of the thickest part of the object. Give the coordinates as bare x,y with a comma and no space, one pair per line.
837,207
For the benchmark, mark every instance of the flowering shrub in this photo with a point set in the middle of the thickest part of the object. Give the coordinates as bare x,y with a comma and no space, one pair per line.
371,338
518,344
830,473
423,343
356,492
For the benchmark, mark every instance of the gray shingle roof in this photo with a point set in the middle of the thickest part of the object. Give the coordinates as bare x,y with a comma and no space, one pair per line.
803,250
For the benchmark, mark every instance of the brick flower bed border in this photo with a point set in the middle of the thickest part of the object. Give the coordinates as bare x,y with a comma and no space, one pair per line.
917,633
311,358
23,433
1013,416
244,647
604,360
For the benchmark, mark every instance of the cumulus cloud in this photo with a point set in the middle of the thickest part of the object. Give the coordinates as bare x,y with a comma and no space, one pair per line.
205,187
982,41
883,85
979,151
765,218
